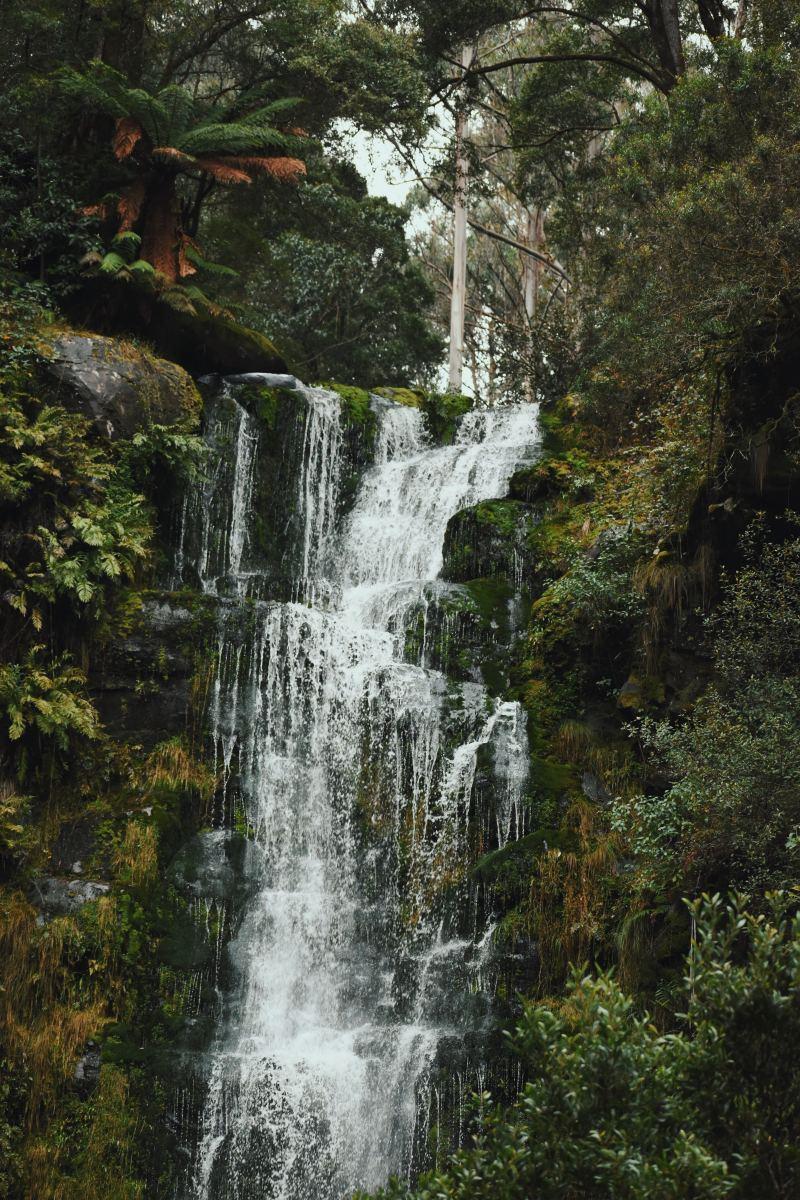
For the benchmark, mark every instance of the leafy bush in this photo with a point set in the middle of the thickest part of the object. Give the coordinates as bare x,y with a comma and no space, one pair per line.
614,1110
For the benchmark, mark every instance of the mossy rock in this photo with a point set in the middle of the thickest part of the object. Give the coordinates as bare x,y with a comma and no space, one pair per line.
443,414
121,387
641,692
492,538
512,864
409,397
443,411
187,330
209,343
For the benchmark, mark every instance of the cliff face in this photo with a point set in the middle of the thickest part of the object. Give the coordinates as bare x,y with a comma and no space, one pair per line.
628,609
127,856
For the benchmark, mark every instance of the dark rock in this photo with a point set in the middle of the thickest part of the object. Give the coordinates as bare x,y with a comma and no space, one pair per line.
215,865
121,388
73,847
142,685
593,788
87,1072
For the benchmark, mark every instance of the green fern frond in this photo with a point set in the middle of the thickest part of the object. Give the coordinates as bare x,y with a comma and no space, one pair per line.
238,137
112,263
126,245
212,268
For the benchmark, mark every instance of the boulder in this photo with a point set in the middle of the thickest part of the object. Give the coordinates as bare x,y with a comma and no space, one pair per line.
120,387
61,897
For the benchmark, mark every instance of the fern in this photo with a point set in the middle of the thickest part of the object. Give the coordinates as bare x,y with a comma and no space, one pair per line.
211,268
49,699
112,263
126,245
236,137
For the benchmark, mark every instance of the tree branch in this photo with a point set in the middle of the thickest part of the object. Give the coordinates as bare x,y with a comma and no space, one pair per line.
587,56
550,263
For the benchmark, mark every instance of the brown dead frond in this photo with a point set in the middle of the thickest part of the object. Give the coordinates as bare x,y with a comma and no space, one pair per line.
127,134
130,205
223,171
285,170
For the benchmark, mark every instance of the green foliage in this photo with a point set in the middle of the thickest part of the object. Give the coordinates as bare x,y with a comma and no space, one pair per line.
46,697
733,806
162,449
331,281
97,543
692,206
614,1110
594,596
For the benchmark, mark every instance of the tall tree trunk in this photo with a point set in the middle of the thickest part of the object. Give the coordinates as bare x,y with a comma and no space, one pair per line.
741,19
458,297
491,385
664,22
533,236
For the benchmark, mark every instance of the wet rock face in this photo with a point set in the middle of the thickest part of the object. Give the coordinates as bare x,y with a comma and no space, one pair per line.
120,388
87,1072
215,865
487,540
142,685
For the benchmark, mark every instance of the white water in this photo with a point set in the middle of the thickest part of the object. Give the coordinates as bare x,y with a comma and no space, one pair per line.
346,981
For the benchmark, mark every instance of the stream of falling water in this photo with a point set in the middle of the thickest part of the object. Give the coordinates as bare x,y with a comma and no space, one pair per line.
346,983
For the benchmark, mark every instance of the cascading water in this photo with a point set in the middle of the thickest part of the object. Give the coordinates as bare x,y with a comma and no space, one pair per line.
354,770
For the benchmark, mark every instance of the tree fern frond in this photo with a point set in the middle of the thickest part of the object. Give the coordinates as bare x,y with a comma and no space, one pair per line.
212,268
287,170
250,102
180,108
237,137
84,87
222,170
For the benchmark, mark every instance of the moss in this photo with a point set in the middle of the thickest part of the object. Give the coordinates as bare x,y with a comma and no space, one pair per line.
551,778
492,598
355,403
502,515
641,691
265,402
406,396
443,413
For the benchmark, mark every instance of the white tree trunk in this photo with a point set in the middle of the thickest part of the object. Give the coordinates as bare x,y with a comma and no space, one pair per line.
458,298
533,236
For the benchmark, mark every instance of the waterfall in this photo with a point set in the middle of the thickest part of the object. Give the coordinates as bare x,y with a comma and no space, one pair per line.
355,770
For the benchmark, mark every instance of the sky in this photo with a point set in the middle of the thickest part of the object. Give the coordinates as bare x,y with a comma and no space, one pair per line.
374,158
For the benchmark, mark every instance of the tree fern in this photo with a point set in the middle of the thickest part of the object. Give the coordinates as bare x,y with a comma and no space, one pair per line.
169,133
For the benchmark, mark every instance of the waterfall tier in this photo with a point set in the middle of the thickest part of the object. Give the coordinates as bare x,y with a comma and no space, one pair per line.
352,772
